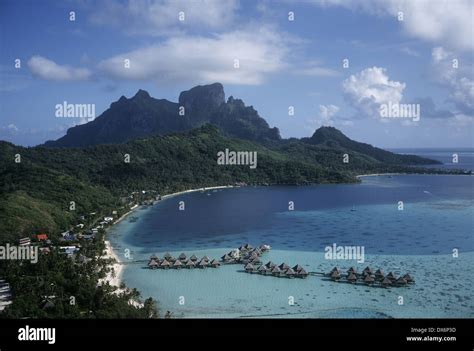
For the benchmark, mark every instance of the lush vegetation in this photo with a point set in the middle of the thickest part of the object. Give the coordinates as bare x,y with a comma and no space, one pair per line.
61,287
35,197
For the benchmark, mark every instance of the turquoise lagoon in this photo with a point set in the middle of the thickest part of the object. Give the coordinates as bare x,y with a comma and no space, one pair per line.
437,217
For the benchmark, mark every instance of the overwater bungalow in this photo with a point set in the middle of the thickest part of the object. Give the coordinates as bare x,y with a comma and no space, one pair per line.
165,264
290,273
257,251
335,275
177,264
379,274
190,264
367,270
335,269
401,281
256,261
153,264
301,273
248,247
182,257
203,263
263,269
154,257
249,268
264,247
214,263
193,258
276,271
369,279
297,268
386,282
226,258
351,270
352,278
205,258
270,264
409,278
253,255
283,266
391,276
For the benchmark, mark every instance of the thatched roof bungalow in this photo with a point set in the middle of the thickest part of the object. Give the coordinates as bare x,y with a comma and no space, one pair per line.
249,268
214,263
177,264
165,264
153,264
301,273
352,278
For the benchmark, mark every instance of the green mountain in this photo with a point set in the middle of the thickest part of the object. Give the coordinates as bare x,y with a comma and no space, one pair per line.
36,193
333,138
143,116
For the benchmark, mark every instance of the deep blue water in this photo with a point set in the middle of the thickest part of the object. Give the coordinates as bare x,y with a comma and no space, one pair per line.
437,217
465,156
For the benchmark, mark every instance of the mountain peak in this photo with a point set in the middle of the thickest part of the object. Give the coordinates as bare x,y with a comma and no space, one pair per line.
211,96
142,94
326,133
142,116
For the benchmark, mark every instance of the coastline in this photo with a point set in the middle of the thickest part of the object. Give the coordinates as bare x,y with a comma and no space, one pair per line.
394,174
114,277
164,197
378,174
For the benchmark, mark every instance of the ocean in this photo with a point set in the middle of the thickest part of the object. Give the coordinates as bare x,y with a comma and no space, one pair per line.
405,223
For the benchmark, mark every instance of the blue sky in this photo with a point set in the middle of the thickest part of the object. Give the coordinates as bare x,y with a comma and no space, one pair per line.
282,63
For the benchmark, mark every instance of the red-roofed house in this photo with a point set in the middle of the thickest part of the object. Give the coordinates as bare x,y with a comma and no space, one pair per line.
41,237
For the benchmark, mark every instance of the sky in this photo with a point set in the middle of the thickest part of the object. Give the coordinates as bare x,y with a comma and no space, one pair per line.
300,64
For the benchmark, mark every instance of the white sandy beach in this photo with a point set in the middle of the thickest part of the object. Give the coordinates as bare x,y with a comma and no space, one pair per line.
113,277
194,190
378,174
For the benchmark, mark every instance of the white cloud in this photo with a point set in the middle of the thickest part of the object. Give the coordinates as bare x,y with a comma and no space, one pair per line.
259,51
50,70
324,117
9,130
457,79
370,88
448,23
315,69
326,112
410,52
161,17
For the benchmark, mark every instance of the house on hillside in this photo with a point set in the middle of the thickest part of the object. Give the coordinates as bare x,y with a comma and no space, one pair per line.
42,237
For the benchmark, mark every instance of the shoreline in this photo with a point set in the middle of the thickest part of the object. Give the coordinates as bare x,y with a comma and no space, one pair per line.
379,174
117,267
164,197
418,174
114,278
